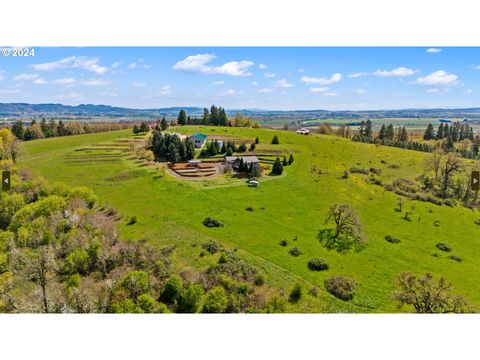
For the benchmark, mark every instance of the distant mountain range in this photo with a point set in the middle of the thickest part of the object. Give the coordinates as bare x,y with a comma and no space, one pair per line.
89,110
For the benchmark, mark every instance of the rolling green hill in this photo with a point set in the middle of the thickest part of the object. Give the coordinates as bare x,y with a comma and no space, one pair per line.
292,206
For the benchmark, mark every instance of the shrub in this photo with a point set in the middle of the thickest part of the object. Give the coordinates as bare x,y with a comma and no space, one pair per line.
477,222
295,294
392,239
172,290
444,247
295,251
259,280
147,303
136,283
215,301
275,140
77,261
252,147
85,194
249,208
223,259
340,287
191,299
283,243
133,220
455,258
316,264
211,222
313,291
211,246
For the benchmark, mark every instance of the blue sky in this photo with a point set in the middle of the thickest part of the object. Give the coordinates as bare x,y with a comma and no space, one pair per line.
261,77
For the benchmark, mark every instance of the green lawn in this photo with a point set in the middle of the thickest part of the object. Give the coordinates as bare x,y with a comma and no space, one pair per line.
171,211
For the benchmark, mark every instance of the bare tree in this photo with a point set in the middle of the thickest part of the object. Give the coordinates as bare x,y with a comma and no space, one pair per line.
434,161
40,269
428,296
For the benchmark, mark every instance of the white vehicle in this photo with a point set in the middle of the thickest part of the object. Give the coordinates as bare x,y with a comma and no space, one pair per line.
253,183
303,131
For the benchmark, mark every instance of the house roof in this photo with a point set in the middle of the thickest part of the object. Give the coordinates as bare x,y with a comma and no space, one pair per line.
199,136
246,159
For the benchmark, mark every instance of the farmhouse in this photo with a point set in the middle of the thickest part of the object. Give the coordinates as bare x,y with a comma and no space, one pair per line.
303,131
235,160
198,139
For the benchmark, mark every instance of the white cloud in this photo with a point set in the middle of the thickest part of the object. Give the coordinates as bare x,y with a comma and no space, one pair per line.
269,75
439,77
468,91
254,83
132,65
317,90
262,66
322,81
360,91
433,50
301,70
477,67
331,94
433,91
199,64
138,84
165,91
26,77
83,62
217,83
35,78
399,71
95,82
229,92
39,81
357,74
283,83
116,64
64,81
265,90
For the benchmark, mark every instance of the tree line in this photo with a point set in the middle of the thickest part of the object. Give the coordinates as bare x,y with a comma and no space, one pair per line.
167,147
51,128
215,116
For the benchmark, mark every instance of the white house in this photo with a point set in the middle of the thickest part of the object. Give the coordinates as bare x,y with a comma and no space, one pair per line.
198,139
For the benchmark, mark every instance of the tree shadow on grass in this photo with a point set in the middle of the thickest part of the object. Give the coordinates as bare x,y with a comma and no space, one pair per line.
341,244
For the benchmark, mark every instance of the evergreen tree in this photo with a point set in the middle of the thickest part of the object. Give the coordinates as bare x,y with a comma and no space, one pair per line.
164,124
362,128
277,167
368,132
229,151
223,149
440,132
222,118
135,130
257,141
190,149
242,148
214,115
284,162
255,170
173,155
206,117
18,130
182,117
402,134
61,129
448,144
381,133
290,160
252,147
144,127
429,133
275,140
390,132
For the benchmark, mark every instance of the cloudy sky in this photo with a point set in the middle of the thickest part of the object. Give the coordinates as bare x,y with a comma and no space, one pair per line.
265,78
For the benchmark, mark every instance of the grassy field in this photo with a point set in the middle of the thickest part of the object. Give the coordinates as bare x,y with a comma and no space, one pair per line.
294,205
